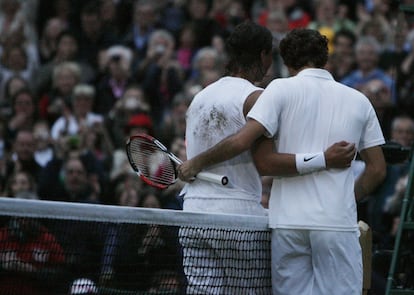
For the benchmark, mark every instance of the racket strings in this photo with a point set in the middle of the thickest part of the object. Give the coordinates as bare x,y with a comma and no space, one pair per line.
151,162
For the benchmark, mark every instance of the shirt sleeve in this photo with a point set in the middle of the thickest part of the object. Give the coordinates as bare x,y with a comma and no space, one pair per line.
372,133
268,108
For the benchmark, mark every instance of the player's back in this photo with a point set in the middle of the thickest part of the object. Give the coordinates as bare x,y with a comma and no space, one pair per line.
319,112
309,112
215,113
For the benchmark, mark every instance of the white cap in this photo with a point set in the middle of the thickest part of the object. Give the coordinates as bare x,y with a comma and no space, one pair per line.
83,286
125,53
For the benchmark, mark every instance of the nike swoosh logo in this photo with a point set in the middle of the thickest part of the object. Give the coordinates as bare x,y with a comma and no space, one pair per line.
308,159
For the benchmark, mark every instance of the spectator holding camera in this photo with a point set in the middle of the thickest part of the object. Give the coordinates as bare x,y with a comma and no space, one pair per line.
92,35
84,128
22,157
132,102
145,20
72,133
66,76
160,73
79,115
115,62
67,50
24,113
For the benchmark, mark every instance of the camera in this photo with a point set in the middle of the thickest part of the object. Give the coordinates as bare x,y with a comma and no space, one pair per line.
160,49
116,58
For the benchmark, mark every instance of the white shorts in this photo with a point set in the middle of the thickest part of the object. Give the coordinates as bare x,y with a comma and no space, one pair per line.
316,262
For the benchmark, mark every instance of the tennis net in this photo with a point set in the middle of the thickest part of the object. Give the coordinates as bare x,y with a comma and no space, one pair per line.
73,248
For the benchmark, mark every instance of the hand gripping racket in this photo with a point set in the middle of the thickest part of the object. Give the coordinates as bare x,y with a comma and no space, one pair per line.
156,165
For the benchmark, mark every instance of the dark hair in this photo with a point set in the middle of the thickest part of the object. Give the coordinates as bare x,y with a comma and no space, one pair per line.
67,33
12,177
245,44
7,51
7,93
347,34
304,47
24,90
91,8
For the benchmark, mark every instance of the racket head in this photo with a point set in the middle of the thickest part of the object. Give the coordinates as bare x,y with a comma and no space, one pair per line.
151,162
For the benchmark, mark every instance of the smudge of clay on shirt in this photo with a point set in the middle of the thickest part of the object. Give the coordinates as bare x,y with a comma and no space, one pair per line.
214,121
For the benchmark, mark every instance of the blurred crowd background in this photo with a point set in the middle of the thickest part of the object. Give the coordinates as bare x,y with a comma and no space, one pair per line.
78,77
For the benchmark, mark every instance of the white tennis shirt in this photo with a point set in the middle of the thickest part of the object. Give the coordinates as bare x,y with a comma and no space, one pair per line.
309,112
215,113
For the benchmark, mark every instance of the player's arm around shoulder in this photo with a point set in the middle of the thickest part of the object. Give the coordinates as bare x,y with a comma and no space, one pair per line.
227,148
271,163
373,174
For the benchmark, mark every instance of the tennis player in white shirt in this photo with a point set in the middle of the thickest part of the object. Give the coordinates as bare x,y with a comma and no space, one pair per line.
315,247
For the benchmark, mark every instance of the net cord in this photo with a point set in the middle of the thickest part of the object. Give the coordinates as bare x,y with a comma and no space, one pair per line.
121,214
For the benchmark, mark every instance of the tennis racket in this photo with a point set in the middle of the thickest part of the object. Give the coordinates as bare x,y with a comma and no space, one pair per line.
156,165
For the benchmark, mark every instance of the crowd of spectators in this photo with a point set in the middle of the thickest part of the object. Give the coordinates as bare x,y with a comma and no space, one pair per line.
77,77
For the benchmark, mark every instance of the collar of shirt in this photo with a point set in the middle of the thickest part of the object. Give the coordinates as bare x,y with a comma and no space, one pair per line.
318,73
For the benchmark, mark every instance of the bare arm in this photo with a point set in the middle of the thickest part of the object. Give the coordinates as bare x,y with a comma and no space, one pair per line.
269,162
224,150
373,174
339,155
228,147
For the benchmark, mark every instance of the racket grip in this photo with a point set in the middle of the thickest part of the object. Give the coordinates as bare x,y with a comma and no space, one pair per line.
219,179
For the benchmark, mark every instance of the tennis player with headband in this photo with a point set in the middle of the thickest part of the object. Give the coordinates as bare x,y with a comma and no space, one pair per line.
215,113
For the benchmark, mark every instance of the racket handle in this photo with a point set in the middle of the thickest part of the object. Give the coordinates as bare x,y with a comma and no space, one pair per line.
219,179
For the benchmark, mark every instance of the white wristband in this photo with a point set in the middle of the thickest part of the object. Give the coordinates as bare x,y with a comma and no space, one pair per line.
308,163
